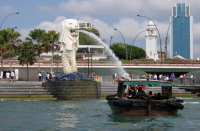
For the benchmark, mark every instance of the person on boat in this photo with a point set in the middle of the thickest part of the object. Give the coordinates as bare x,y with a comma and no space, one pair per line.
142,86
150,94
141,93
131,91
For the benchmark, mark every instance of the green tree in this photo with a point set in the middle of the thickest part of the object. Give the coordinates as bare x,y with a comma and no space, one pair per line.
84,39
120,51
52,38
58,59
27,55
3,44
8,40
78,56
137,52
38,36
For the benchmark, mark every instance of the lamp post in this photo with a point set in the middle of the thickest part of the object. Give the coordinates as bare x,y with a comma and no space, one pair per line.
7,17
134,41
124,43
111,39
158,33
167,37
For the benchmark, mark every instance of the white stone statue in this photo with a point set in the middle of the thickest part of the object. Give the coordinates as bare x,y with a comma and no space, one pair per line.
69,41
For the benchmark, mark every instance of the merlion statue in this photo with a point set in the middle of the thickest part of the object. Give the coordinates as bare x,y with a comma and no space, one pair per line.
69,41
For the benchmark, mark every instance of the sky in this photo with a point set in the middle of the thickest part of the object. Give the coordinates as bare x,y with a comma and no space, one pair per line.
106,15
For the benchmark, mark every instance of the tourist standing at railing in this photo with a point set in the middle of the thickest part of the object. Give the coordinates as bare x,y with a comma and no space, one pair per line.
185,78
12,75
1,74
149,76
47,76
155,77
7,76
39,76
172,77
161,77
92,76
181,79
192,79
116,80
130,75
114,77
96,77
42,76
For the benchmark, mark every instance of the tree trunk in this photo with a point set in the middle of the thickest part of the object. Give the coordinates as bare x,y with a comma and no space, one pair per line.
52,53
2,61
27,72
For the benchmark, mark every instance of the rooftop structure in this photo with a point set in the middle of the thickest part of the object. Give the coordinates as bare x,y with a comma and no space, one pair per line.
85,24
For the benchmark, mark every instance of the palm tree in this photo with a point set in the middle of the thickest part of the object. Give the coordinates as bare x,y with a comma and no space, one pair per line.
3,43
12,38
52,38
37,35
8,41
27,55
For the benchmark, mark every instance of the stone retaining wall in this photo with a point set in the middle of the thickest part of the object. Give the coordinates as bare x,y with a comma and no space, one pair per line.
74,90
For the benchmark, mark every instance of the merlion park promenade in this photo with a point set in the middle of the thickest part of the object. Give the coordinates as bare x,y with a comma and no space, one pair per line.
93,78
32,89
88,78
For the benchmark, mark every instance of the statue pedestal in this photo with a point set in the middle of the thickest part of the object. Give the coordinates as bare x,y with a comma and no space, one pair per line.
74,90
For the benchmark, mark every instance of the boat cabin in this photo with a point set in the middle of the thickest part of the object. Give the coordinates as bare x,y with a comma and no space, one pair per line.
166,88
144,104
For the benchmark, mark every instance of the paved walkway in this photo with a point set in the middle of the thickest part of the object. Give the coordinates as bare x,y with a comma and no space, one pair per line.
17,83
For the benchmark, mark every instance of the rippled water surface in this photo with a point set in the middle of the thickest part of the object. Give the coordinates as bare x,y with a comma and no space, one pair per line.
93,115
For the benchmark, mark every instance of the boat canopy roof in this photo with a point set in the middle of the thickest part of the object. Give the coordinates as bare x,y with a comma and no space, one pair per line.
145,82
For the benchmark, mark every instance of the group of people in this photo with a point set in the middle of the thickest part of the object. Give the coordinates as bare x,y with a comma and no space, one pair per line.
154,76
10,75
94,76
136,91
185,80
43,77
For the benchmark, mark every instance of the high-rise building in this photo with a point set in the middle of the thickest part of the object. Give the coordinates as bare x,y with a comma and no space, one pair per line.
181,39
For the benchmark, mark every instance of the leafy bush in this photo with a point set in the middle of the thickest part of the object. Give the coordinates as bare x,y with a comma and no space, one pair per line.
78,56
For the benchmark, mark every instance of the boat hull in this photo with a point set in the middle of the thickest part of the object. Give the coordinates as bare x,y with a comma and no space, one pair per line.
144,108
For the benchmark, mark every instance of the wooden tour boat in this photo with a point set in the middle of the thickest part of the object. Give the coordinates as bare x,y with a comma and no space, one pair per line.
160,103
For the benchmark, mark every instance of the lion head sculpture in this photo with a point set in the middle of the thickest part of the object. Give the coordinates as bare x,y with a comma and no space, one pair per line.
69,34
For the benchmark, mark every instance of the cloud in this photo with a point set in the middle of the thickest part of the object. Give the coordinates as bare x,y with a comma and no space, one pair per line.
45,25
48,25
109,14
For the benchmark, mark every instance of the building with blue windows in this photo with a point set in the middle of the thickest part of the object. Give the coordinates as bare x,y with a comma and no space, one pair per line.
181,39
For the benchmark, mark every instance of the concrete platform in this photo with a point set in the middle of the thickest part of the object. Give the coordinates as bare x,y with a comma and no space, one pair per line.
24,90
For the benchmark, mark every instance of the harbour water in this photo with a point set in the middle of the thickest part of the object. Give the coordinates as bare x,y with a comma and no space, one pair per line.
90,115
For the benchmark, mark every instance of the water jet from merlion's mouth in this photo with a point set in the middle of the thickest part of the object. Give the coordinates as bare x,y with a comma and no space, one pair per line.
118,63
